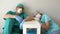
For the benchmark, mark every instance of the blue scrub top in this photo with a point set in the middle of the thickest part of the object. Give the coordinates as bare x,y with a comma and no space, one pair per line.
53,25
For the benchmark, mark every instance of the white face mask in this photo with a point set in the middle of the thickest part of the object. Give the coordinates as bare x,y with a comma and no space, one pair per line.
19,10
37,17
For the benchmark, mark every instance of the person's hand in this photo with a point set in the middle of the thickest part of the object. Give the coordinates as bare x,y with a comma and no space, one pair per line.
46,26
30,18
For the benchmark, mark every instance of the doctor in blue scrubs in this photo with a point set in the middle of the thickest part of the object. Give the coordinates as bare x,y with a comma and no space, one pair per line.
48,24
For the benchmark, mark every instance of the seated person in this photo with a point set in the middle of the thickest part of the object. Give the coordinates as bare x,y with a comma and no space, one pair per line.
48,24
12,22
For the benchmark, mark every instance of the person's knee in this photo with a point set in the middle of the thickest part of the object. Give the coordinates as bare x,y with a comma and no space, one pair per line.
8,23
8,19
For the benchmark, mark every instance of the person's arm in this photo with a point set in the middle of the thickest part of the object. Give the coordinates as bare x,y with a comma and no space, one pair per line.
9,16
46,26
30,18
47,20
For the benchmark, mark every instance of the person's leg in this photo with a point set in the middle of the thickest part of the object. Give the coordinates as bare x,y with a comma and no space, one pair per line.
20,32
16,29
56,32
8,26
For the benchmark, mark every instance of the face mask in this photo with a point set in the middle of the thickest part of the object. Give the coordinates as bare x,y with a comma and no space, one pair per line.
19,11
37,17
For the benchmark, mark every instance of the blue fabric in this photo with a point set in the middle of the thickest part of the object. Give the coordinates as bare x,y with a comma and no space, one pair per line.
21,25
53,25
56,32
19,19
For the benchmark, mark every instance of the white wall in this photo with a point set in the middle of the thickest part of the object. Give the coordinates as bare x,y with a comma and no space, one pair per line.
51,7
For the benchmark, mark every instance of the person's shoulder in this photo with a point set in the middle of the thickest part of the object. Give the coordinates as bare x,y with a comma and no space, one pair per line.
45,15
23,13
11,12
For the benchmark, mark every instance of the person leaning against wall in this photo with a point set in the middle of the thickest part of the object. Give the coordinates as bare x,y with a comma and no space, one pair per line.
12,22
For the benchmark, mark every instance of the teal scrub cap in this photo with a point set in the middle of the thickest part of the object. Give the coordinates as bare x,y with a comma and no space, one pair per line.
20,5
